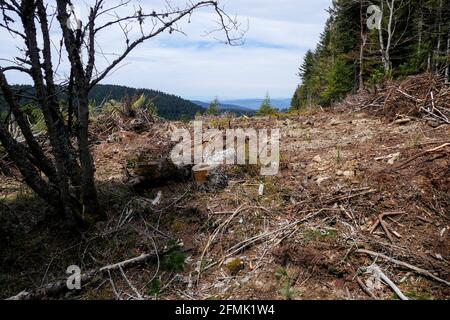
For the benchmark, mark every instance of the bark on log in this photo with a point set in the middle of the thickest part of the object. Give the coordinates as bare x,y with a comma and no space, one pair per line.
152,173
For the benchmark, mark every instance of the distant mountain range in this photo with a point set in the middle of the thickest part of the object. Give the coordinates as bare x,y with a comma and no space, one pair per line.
246,106
254,104
168,106
225,107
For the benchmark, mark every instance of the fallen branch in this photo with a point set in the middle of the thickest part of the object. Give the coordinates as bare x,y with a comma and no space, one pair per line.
257,239
406,95
213,236
365,289
342,198
376,271
383,224
404,264
138,295
422,154
439,117
57,288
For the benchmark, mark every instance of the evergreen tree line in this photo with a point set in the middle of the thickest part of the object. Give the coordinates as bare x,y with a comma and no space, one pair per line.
411,37
167,106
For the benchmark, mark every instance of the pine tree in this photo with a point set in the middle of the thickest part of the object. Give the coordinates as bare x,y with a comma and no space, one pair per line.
339,82
266,108
415,38
213,108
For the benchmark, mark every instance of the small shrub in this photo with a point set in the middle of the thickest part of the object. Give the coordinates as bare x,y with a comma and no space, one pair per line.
285,281
266,108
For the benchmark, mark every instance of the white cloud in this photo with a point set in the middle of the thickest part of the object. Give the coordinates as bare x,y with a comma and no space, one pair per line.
280,33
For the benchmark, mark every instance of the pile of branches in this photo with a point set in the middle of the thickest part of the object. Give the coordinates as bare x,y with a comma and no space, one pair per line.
423,96
122,116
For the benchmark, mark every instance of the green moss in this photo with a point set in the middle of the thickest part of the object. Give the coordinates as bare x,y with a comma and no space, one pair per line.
234,266
418,296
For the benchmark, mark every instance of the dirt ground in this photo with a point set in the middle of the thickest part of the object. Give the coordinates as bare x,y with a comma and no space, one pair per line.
304,238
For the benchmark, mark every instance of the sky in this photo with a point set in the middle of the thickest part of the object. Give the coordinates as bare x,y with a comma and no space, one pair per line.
195,65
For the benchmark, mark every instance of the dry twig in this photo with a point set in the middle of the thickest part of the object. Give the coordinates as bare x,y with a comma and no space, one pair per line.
404,264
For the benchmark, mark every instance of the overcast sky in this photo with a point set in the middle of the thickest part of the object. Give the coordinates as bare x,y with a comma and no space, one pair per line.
199,67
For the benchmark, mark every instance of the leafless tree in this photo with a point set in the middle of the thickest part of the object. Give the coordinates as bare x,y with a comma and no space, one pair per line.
64,177
447,69
388,34
363,43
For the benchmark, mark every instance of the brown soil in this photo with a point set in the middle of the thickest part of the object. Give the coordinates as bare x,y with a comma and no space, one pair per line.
341,169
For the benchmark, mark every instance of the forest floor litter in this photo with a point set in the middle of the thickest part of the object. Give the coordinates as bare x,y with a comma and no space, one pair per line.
359,210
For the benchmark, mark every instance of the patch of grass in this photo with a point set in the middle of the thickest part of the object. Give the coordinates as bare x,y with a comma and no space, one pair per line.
281,273
245,170
287,291
174,261
416,141
154,288
115,196
306,111
319,234
338,156
220,123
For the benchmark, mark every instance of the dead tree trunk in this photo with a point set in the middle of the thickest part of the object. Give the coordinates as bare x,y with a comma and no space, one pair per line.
447,70
92,211
69,182
390,32
363,39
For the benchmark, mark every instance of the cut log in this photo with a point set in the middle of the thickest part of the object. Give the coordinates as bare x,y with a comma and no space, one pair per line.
202,171
210,178
153,173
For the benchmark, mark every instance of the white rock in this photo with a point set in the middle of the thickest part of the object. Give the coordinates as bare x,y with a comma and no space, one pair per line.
317,159
349,174
321,179
393,157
